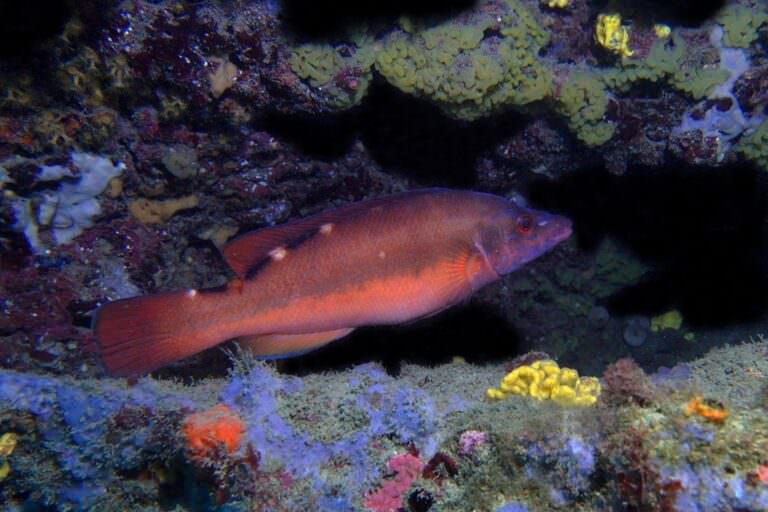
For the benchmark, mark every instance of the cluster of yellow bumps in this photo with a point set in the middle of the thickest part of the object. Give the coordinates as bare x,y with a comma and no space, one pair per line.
545,380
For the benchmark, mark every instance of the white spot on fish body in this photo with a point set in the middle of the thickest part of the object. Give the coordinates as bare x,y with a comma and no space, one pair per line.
326,228
278,254
191,293
382,255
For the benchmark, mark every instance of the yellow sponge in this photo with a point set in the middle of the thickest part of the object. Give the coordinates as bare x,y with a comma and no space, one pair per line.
612,35
545,380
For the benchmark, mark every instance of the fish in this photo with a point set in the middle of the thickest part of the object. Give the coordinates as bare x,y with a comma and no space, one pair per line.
305,283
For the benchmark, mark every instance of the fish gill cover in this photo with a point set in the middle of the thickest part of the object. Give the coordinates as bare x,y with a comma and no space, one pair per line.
138,139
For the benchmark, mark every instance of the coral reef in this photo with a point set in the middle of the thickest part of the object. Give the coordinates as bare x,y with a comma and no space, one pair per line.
138,137
359,439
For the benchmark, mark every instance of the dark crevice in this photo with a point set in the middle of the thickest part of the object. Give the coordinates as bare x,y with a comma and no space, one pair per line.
430,341
405,135
26,27
702,231
673,12
313,19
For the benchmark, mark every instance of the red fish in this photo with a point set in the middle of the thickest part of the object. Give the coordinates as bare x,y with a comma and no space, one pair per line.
310,281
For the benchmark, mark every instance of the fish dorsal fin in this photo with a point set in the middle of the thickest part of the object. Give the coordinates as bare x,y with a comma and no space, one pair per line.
248,251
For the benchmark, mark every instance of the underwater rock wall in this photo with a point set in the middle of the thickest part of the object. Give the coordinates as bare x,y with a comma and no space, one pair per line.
141,136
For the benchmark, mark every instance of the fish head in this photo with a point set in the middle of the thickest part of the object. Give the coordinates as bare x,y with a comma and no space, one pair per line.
518,235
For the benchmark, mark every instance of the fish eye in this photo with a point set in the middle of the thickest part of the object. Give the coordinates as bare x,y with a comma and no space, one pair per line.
524,224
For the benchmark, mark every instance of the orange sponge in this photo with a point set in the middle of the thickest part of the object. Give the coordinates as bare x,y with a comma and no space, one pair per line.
208,430
709,410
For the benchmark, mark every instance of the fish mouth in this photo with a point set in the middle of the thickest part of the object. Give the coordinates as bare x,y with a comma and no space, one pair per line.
563,229
557,229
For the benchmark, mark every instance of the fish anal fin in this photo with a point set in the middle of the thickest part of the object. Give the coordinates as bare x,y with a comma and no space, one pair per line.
290,344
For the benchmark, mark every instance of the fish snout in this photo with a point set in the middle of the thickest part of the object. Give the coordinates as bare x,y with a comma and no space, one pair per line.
553,229
563,228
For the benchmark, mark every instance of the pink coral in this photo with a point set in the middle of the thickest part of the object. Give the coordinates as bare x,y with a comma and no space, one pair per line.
471,440
389,497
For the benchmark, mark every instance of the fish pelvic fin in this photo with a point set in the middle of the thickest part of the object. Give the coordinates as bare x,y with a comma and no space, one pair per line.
141,334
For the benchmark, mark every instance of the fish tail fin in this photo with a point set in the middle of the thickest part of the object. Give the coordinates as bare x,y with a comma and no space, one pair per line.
141,334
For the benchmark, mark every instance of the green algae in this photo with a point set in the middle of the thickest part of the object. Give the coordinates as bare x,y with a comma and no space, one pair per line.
667,61
340,75
583,100
741,24
472,66
755,146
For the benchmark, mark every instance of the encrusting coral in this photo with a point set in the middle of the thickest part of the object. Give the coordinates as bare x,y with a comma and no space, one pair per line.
212,429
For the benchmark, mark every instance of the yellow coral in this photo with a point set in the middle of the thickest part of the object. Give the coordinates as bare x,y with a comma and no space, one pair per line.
669,320
612,35
556,4
545,380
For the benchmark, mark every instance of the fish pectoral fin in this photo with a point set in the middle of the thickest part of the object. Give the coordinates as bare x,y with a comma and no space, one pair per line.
457,272
287,345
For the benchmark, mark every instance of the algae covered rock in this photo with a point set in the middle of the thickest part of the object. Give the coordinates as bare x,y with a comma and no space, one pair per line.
473,65
583,101
668,60
755,146
740,24
340,74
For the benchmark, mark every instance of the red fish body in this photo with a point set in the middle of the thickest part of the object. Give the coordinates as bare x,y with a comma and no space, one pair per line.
307,282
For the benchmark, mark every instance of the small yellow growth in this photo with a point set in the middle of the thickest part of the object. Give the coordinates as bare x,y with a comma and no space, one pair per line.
612,35
147,211
223,76
556,4
114,187
219,234
545,380
7,445
661,30
669,320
